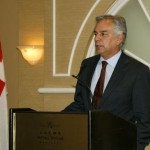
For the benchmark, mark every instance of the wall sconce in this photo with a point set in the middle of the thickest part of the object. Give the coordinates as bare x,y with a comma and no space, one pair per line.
32,54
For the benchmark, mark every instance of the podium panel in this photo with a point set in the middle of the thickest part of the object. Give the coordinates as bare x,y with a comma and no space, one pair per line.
49,131
110,132
97,130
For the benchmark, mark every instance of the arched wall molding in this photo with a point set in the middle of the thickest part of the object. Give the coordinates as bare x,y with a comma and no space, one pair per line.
55,74
116,7
145,7
136,57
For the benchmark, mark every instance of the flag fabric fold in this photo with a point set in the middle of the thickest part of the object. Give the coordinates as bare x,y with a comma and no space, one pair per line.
3,107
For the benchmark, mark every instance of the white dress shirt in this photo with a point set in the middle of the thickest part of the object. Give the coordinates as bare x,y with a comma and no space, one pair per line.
109,70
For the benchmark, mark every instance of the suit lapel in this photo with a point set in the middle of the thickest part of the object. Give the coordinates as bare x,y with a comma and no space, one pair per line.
92,63
116,77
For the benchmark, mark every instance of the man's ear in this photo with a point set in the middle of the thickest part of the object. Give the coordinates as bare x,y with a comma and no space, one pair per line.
119,39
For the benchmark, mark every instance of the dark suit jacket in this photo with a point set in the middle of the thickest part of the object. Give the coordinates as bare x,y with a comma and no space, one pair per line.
126,95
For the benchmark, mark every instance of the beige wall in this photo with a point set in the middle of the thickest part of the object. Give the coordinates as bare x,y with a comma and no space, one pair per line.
69,17
9,39
31,32
29,22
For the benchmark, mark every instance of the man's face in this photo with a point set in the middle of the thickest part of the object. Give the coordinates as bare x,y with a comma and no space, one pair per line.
106,41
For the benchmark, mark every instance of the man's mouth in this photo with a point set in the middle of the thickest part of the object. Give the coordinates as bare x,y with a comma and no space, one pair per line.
99,45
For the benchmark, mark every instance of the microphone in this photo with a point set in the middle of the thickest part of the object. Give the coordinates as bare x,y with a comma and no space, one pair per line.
83,66
86,86
82,82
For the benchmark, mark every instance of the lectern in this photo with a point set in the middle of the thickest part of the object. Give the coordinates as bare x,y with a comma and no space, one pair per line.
97,130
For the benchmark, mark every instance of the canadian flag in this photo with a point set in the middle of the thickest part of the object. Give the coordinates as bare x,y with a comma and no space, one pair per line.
3,107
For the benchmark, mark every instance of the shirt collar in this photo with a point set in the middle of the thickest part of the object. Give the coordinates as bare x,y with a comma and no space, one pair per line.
113,60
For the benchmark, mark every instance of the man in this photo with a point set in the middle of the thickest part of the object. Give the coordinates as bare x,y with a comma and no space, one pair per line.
126,90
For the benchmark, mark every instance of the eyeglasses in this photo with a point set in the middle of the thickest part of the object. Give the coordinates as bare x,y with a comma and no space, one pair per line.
101,34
